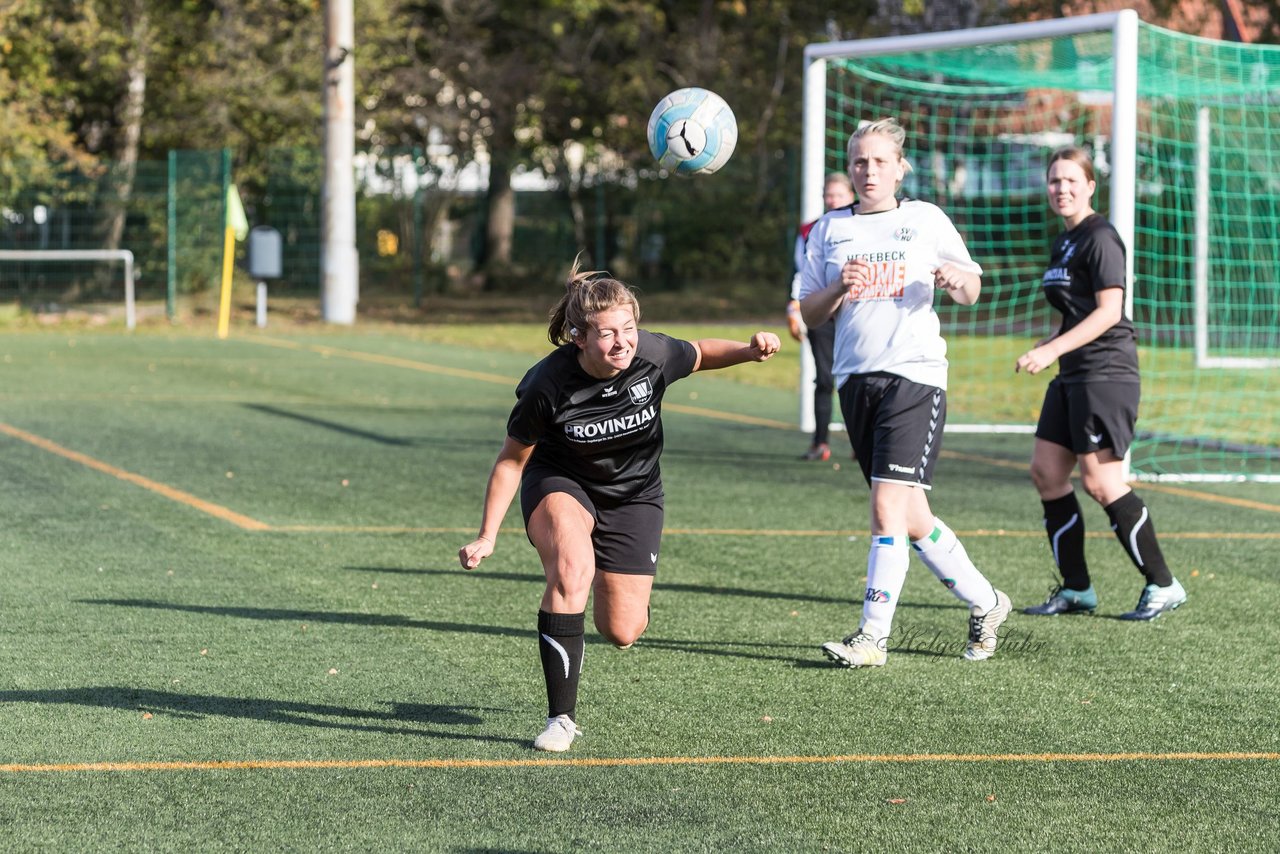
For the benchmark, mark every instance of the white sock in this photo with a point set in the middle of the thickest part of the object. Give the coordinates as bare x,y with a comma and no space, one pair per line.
886,571
946,558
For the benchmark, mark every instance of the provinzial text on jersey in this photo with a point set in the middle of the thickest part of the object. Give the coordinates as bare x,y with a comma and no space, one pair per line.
1057,276
598,431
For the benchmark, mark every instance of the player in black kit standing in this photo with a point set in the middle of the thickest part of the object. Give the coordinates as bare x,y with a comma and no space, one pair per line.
582,446
1091,406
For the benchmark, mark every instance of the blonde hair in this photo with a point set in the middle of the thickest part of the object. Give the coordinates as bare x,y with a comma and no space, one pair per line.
586,294
1076,155
841,178
885,127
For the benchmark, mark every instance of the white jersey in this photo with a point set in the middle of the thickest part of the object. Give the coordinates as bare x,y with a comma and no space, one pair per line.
888,325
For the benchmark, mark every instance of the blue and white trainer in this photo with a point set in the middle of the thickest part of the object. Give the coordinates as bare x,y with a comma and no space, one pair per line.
1064,600
1154,601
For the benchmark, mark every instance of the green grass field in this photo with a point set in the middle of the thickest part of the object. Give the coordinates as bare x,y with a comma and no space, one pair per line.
233,619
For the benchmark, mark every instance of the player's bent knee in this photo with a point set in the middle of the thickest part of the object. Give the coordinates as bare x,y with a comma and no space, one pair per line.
570,581
622,635
1048,482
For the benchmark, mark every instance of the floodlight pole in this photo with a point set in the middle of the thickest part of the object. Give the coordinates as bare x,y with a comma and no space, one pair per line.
340,263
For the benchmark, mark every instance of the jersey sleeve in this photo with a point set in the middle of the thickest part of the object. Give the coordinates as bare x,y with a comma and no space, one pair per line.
1104,259
674,356
532,413
951,246
794,292
812,271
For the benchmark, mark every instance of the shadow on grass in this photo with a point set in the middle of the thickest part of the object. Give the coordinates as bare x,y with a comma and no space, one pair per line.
327,425
300,616
706,589
380,438
197,706
715,647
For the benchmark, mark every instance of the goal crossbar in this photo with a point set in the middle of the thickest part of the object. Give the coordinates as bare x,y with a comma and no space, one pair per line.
1124,28
124,255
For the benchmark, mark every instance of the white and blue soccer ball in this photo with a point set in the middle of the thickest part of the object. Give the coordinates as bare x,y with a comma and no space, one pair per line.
692,131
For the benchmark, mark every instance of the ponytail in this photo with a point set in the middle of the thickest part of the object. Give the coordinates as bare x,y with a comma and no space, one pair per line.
587,293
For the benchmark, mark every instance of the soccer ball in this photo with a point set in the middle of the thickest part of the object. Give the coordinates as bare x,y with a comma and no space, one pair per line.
692,131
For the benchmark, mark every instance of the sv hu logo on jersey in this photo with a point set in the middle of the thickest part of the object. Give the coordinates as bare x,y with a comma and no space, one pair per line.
640,391
904,234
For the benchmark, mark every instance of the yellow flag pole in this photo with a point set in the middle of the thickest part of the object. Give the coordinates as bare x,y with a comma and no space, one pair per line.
228,259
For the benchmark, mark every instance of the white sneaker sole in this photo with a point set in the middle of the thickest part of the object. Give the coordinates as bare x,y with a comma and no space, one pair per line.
1003,608
839,653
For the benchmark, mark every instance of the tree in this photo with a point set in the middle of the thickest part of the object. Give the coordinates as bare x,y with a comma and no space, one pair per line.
34,129
568,84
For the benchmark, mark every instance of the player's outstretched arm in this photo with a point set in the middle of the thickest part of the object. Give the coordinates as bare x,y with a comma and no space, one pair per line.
715,353
503,482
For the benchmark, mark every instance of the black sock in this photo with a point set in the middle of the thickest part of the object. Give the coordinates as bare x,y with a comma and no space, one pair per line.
1132,523
1064,523
560,645
822,417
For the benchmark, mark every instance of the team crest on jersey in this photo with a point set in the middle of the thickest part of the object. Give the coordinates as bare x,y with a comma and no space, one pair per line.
904,234
1068,249
640,392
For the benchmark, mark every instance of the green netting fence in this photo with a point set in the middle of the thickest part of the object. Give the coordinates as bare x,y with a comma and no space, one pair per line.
981,121
416,236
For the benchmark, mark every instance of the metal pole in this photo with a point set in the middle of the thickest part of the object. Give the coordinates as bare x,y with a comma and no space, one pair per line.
813,138
341,264
1200,264
1124,151
171,261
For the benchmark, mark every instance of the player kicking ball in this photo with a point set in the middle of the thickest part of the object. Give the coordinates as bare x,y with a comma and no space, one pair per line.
874,267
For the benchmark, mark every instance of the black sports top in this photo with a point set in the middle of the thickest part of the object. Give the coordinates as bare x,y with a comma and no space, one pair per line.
604,434
1085,260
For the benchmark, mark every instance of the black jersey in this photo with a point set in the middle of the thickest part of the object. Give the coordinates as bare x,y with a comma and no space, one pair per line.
1085,260
604,434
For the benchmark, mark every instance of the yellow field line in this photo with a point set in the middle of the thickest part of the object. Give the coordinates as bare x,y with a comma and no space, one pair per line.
1181,491
1209,496
137,480
427,367
393,361
727,416
632,762
760,532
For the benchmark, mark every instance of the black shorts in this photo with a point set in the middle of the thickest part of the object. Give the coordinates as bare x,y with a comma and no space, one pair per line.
627,536
1087,417
895,427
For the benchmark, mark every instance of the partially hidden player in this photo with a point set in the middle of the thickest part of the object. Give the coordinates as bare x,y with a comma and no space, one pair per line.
582,448
1091,406
876,267
837,192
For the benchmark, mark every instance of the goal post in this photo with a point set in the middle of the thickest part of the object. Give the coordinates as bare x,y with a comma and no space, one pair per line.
124,255
1182,132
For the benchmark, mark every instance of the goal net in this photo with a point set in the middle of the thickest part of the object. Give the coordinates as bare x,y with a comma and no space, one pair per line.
1185,134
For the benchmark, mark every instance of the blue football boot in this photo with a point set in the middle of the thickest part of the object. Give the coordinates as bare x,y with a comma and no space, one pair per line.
1064,600
1154,601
